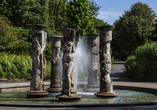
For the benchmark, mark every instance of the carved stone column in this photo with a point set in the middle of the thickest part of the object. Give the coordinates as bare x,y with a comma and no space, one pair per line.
39,38
106,87
55,64
93,62
68,62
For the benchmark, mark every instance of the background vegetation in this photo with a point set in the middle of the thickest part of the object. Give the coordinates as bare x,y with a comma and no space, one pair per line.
142,65
134,35
15,35
134,28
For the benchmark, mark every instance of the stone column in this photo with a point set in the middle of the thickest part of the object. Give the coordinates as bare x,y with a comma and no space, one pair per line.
106,87
55,64
68,62
93,62
39,38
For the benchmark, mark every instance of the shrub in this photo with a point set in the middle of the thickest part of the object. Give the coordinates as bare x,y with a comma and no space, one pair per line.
18,66
143,65
8,36
15,66
132,66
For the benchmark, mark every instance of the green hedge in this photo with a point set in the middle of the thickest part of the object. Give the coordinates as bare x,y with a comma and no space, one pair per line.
14,66
143,65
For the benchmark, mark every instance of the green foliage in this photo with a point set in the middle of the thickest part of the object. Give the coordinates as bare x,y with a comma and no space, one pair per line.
48,70
24,12
78,17
143,65
98,22
133,28
57,13
154,35
21,13
94,8
8,36
147,51
112,61
132,67
53,13
15,66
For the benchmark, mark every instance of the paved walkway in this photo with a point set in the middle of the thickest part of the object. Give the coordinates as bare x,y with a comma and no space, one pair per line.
118,77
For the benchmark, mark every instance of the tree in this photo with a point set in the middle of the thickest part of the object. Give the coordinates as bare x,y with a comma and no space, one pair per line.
21,13
57,12
133,28
78,17
24,12
94,8
153,37
8,36
57,15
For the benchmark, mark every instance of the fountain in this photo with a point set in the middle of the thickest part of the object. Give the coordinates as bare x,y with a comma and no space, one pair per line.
68,62
39,38
127,96
55,64
93,62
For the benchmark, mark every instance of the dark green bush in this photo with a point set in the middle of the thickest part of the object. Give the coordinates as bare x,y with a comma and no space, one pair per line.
143,65
131,66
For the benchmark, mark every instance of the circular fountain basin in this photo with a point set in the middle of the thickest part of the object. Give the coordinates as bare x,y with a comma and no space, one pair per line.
136,96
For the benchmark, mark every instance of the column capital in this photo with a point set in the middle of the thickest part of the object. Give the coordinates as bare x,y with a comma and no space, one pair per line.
105,28
55,37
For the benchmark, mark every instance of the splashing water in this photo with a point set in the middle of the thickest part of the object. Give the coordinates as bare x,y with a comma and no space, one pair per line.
81,57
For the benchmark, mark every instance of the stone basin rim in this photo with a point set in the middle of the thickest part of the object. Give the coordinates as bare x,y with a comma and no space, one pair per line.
89,105
81,105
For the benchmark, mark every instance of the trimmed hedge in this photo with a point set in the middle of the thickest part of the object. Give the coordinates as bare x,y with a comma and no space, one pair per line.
143,65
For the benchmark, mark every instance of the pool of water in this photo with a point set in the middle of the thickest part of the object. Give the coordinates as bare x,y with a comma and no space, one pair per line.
124,96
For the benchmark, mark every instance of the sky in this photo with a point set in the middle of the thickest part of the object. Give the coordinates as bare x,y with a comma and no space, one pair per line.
112,9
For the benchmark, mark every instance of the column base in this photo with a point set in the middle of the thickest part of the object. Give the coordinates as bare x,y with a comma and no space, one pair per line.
37,94
54,90
105,94
66,97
